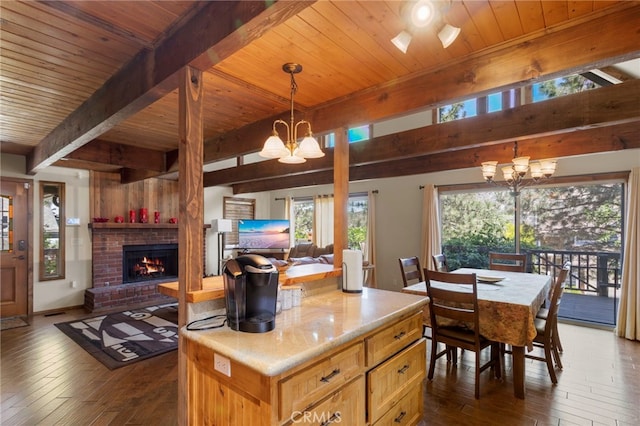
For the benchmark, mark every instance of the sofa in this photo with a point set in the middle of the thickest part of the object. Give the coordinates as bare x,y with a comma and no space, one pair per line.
306,253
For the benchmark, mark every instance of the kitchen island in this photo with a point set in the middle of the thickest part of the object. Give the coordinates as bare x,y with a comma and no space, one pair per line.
356,358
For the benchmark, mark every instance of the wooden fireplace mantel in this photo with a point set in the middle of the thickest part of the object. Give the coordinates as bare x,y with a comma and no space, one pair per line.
107,225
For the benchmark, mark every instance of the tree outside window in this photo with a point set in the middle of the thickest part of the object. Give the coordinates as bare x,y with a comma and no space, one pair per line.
357,216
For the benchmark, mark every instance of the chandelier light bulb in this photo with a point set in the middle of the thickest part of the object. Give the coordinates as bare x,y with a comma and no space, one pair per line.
273,147
489,169
521,165
548,167
536,170
508,173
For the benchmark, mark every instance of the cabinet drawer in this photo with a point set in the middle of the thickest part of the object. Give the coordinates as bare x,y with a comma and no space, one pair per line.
388,342
406,412
345,406
388,383
299,391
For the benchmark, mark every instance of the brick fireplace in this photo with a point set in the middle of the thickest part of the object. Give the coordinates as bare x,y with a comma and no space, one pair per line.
110,288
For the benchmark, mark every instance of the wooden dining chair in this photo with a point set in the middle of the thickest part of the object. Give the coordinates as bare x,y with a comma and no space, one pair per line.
412,274
512,262
411,270
547,329
440,262
543,313
458,304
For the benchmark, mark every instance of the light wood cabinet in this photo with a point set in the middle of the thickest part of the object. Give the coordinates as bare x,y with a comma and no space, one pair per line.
394,380
344,406
374,378
301,390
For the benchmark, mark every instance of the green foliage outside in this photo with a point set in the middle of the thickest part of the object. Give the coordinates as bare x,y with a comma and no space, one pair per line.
585,218
357,217
452,112
357,214
303,214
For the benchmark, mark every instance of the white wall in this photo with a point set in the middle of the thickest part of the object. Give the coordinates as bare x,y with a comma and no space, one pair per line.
67,292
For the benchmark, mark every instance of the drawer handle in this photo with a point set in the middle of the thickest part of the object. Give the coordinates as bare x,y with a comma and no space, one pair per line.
334,417
403,369
330,376
399,336
400,417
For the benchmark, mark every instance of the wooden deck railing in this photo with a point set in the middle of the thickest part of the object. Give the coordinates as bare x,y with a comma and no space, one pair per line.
591,272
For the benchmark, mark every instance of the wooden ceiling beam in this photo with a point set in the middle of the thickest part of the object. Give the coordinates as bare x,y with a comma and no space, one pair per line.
537,57
587,141
594,108
153,73
99,151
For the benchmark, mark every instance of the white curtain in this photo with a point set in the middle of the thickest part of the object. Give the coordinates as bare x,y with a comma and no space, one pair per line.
323,223
430,238
629,309
369,249
288,214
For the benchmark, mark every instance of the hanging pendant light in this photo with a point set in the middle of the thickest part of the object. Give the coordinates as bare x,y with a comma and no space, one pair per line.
291,152
514,174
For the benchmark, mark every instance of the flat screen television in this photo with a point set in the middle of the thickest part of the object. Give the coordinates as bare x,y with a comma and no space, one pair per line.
254,234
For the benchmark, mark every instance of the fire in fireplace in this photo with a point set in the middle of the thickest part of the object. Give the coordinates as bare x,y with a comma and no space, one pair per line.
149,262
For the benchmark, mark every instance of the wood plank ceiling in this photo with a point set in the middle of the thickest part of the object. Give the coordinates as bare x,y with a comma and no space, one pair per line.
91,84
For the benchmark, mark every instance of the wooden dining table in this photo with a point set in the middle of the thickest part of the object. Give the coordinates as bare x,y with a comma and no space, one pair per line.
507,309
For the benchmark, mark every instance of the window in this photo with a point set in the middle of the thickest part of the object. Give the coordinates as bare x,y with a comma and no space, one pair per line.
561,87
458,110
52,221
303,217
494,102
6,233
354,134
236,208
580,223
357,216
358,134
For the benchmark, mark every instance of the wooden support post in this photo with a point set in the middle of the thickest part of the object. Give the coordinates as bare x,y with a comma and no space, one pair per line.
340,196
191,212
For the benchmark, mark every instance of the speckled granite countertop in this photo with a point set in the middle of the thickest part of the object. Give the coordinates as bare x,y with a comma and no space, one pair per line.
322,322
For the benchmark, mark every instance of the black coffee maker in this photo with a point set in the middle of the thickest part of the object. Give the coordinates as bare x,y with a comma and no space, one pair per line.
250,292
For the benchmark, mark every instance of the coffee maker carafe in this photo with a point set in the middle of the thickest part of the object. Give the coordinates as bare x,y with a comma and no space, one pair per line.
251,292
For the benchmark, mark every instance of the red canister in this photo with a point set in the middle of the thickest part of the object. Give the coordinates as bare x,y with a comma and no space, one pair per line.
144,218
156,217
132,216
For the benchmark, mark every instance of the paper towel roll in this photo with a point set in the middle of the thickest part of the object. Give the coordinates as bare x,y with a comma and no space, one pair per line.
352,275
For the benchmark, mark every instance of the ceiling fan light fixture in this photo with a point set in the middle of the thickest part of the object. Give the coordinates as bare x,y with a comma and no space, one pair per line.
448,34
402,40
422,13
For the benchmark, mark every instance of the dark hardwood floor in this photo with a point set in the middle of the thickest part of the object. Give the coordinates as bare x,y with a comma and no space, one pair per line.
48,379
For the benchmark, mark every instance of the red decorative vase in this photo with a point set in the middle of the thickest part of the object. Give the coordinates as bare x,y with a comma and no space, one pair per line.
156,217
132,216
144,218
